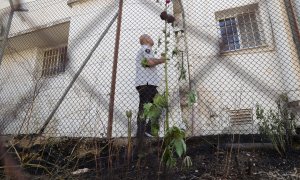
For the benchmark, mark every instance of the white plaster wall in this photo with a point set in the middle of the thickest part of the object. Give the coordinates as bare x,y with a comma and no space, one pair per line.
297,7
88,21
223,82
40,13
5,3
243,79
17,86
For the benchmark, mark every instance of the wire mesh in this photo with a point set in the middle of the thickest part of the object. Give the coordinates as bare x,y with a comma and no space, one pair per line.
225,59
232,55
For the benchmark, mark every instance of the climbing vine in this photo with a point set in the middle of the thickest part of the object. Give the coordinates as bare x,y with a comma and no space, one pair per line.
174,144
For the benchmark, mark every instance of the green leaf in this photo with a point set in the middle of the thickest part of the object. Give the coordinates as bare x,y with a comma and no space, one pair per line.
171,162
178,147
144,63
174,52
184,145
168,158
182,74
160,101
154,112
166,154
154,127
191,98
174,143
147,107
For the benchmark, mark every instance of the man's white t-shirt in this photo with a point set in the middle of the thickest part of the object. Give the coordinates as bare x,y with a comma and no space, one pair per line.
148,75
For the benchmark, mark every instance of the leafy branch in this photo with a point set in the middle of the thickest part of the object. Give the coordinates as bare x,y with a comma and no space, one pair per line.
278,125
154,110
174,143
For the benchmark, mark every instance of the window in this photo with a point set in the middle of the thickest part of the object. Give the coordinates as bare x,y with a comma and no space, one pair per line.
229,33
240,30
54,61
2,30
241,116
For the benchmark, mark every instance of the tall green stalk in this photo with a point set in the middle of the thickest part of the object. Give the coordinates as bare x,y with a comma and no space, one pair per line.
129,145
174,137
166,73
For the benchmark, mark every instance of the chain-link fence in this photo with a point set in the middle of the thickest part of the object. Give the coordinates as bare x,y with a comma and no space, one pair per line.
76,69
226,57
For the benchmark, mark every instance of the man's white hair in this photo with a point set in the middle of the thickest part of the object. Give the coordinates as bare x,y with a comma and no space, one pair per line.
144,36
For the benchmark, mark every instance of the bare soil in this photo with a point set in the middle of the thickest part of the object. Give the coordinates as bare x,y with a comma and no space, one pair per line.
78,158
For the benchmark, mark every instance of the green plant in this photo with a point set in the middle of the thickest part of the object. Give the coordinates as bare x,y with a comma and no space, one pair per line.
166,34
129,144
187,161
145,63
192,96
154,110
174,143
174,138
160,101
278,125
175,52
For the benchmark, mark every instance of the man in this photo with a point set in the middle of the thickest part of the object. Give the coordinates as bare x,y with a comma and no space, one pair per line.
146,81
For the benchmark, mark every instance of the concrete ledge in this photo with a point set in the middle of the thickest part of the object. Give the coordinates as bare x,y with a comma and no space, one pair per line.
249,146
294,105
36,28
71,2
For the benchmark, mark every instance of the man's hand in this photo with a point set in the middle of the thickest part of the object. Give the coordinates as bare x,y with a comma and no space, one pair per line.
164,58
153,62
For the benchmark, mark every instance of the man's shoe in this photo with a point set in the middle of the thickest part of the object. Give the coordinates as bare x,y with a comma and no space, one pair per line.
148,134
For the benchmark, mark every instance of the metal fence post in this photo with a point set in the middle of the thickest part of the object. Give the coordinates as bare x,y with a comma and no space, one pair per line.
6,32
114,73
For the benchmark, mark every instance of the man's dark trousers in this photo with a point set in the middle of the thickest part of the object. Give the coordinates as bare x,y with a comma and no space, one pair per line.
146,94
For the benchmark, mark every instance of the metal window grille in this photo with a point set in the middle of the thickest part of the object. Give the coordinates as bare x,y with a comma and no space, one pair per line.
241,31
54,61
229,33
241,116
1,30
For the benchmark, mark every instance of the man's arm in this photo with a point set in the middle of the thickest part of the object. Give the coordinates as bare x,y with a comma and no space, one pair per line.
153,61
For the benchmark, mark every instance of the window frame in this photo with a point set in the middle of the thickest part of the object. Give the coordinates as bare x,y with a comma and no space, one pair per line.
248,9
57,66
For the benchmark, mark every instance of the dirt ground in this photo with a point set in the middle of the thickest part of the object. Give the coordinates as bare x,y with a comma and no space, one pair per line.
68,158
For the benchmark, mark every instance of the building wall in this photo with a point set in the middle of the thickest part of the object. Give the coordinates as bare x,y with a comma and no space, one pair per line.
297,8
243,79
17,81
98,83
41,13
223,81
30,98
84,112
4,4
